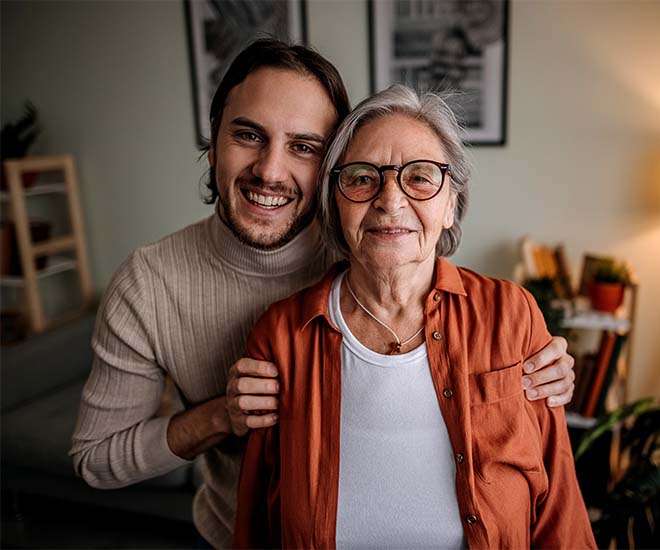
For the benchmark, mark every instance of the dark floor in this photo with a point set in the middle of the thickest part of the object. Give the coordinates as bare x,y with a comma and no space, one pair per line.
49,523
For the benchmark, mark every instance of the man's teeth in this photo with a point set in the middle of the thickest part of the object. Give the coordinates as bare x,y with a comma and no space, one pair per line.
264,200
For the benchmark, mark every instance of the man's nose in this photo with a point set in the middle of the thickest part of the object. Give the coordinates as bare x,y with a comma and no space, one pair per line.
391,197
271,165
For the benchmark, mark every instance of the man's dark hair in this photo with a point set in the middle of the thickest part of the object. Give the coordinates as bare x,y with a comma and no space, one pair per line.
269,52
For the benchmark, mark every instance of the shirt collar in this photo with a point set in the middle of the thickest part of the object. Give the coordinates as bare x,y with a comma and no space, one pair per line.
448,278
317,299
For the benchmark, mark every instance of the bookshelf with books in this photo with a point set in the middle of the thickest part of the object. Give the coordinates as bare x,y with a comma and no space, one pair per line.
600,341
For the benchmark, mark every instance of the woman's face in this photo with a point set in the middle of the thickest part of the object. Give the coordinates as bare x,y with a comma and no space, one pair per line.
394,230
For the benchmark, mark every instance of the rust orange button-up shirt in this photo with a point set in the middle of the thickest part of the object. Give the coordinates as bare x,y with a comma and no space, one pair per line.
515,479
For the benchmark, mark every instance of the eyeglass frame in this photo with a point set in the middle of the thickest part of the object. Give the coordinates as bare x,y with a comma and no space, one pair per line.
398,168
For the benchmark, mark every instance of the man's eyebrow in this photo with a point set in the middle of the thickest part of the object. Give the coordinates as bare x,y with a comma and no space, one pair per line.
242,121
310,136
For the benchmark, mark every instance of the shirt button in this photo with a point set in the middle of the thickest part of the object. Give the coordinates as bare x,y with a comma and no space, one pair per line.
472,519
459,457
448,393
437,336
436,296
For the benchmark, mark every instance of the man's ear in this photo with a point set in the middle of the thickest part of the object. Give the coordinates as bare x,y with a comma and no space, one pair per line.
448,217
211,155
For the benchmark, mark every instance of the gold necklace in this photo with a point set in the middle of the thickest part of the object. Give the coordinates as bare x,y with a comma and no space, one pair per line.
396,346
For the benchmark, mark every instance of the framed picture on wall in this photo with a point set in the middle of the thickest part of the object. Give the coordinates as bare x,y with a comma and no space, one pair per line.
219,29
456,46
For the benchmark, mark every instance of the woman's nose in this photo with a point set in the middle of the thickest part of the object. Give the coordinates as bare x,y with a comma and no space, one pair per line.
391,197
271,165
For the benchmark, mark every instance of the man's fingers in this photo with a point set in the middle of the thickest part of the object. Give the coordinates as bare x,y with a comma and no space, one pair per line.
553,394
252,367
559,371
247,403
256,386
557,388
262,421
560,400
548,355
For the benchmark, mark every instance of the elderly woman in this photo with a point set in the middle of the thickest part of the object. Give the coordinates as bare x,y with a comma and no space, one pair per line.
402,422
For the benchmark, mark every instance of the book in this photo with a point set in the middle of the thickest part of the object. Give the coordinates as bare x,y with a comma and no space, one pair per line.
563,280
600,371
583,378
611,374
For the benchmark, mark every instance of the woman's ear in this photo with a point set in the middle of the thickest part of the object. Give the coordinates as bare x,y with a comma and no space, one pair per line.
450,208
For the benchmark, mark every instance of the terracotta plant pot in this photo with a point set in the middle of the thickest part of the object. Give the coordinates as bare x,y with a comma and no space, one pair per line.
606,297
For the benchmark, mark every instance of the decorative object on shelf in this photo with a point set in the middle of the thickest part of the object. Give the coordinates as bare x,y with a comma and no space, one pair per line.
630,513
608,284
18,137
217,31
452,45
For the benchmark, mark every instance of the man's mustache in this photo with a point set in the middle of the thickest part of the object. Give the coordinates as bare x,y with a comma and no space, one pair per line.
257,184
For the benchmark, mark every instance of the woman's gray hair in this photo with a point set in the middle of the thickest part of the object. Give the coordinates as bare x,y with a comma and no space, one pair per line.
429,108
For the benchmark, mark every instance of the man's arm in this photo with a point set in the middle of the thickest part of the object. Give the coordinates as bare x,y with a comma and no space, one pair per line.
549,374
117,440
252,389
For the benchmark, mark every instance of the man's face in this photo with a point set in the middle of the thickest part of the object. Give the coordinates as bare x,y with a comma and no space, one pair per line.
268,152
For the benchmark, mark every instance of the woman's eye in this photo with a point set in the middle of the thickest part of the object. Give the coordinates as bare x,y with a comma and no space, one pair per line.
362,180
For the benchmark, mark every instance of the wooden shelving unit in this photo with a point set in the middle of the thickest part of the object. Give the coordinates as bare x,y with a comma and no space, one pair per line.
73,243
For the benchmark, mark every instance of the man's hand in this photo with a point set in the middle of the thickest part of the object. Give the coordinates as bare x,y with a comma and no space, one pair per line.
252,395
549,374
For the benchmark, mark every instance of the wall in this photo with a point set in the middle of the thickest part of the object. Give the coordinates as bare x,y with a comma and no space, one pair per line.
112,82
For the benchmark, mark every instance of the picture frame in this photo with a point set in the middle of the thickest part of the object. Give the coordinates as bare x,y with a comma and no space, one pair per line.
450,46
219,29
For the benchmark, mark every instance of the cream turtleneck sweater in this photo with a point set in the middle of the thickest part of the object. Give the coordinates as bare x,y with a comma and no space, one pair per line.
183,306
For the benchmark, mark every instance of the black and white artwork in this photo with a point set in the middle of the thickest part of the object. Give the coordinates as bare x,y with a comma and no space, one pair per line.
219,29
458,46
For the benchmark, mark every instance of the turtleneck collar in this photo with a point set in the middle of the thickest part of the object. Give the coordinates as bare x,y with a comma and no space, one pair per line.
286,259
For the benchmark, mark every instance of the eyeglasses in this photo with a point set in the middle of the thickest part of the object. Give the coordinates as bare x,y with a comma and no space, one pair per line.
420,180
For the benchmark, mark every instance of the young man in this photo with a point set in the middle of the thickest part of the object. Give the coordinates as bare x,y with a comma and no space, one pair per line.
185,305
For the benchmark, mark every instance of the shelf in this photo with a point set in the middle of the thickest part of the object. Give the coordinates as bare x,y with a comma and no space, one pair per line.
38,189
56,264
596,320
575,420
53,246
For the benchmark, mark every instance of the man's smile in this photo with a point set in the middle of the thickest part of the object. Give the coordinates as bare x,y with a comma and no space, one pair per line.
266,201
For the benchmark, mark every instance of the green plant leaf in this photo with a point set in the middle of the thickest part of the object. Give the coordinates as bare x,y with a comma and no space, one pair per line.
606,422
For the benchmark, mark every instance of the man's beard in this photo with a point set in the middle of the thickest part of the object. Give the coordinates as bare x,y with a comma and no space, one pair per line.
253,238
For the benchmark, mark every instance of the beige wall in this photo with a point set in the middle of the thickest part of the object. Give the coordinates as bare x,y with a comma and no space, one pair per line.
112,82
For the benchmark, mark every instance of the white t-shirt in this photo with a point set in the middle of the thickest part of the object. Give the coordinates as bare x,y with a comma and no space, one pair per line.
397,485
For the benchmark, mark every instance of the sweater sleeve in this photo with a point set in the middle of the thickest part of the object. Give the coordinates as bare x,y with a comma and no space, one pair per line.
117,441
561,516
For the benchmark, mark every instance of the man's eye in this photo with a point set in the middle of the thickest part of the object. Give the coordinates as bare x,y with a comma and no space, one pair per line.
304,149
248,136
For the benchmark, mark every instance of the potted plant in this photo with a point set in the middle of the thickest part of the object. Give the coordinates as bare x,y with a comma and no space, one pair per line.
607,286
17,138
630,512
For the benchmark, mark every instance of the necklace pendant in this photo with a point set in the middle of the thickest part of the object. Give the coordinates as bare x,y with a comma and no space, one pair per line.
396,348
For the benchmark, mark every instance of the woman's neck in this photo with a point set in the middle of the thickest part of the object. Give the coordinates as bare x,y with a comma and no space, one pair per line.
395,297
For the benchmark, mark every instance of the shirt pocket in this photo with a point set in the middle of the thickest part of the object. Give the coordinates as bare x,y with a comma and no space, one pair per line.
504,441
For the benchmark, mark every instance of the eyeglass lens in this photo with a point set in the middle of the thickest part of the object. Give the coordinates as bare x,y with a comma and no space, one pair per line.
419,180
